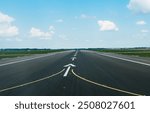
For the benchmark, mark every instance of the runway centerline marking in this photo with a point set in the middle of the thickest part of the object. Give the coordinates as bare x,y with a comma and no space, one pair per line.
73,58
68,69
75,53
32,82
137,62
105,86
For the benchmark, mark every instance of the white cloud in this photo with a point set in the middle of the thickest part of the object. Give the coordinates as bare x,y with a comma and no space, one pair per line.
141,22
144,31
107,25
6,27
60,20
10,31
139,6
35,32
5,18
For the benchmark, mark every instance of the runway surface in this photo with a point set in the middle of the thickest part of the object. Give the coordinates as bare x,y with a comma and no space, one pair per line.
75,73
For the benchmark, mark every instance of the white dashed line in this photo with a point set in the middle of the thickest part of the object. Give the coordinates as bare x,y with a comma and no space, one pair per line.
75,53
73,58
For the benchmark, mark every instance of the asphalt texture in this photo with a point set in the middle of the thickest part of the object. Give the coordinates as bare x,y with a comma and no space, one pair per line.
94,74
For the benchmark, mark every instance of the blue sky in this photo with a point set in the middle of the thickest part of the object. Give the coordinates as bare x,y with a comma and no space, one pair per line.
74,23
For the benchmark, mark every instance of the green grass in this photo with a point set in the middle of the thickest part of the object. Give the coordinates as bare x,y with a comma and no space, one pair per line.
10,53
134,52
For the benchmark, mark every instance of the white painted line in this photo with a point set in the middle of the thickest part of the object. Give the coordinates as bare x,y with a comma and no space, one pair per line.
75,53
105,86
68,69
73,58
23,60
29,83
137,62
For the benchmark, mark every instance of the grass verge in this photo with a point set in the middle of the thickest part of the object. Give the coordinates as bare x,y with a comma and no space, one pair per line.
134,52
10,53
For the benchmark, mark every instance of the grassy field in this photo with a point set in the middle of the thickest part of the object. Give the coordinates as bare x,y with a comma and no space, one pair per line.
134,52
10,53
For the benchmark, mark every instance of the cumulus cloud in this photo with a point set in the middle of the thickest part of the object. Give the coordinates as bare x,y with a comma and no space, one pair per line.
141,22
5,18
35,32
139,6
9,31
106,25
6,27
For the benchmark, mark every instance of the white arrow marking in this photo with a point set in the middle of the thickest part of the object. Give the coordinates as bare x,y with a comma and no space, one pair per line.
66,73
68,69
73,58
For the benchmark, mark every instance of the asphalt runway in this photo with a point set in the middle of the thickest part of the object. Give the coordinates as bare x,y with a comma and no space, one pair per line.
75,73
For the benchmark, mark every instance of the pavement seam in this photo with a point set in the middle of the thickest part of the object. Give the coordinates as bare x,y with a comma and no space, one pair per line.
32,82
105,86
